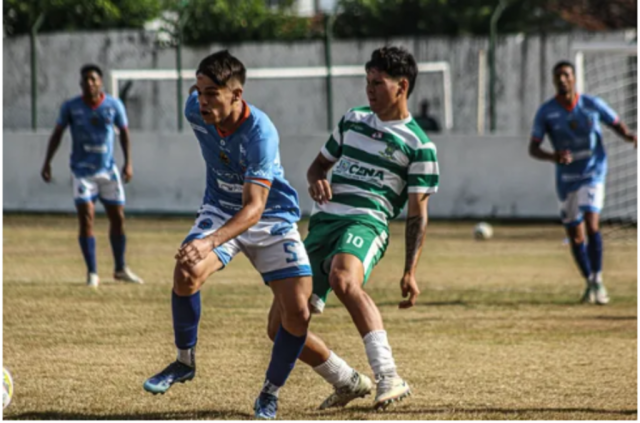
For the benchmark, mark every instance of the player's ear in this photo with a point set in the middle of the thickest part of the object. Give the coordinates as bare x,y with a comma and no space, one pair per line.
403,86
237,93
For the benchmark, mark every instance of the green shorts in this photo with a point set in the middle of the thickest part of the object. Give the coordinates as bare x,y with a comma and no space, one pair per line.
328,237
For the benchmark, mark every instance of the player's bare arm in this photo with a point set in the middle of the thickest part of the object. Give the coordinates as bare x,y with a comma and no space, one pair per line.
125,142
319,186
54,143
625,133
254,200
416,229
537,152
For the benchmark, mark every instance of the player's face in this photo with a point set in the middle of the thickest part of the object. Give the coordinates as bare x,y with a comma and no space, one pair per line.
91,84
216,102
384,93
564,79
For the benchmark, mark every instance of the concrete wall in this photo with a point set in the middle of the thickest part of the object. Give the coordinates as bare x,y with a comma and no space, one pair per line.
295,106
480,176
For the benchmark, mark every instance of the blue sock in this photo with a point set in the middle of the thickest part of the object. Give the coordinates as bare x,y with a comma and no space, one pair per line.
88,247
582,259
595,252
286,350
118,246
186,316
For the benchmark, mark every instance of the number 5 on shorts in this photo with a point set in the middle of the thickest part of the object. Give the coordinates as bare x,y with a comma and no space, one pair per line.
290,248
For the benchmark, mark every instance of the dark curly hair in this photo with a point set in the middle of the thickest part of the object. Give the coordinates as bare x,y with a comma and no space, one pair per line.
222,67
396,62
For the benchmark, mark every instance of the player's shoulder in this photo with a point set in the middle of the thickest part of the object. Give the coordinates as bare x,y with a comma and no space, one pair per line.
111,101
259,125
590,100
73,101
359,113
418,137
550,106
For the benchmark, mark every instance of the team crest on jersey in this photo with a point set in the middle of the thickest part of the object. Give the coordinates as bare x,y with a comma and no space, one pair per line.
205,224
573,124
389,151
224,158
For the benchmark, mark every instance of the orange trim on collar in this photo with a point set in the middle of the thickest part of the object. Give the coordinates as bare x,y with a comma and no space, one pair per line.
246,112
95,106
567,106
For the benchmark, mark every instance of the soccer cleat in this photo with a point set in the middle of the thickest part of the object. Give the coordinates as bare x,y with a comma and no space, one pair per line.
359,387
174,372
390,389
601,296
93,280
126,275
266,406
589,296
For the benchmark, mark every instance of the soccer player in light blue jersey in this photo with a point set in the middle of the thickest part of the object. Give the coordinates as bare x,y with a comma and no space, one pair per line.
248,206
92,117
573,123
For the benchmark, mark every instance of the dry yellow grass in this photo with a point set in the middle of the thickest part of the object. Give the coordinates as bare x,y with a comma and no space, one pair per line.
497,333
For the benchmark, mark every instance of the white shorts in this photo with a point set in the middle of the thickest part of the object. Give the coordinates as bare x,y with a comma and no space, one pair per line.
273,246
105,185
587,198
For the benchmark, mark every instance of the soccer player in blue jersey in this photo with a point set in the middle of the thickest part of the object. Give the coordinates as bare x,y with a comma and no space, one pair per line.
248,206
572,122
92,117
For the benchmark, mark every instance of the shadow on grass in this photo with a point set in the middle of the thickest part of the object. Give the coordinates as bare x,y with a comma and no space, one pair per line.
506,411
181,415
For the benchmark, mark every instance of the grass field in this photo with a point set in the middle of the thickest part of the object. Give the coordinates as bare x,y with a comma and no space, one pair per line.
497,332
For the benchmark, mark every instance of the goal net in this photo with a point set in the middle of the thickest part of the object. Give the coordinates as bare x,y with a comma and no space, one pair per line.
610,71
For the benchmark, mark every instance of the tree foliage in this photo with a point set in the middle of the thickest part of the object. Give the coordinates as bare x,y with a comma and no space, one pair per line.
73,15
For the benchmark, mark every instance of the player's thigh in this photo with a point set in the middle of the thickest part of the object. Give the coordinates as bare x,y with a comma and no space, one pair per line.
110,188
85,189
86,214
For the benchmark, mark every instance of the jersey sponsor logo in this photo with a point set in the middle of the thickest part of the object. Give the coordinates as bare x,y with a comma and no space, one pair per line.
77,112
90,148
233,188
358,172
226,175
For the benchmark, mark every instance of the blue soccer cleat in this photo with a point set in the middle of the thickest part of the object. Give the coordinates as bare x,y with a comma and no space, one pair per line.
266,406
175,372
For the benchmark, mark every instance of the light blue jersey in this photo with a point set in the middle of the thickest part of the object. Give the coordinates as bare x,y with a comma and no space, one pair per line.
250,154
576,129
92,133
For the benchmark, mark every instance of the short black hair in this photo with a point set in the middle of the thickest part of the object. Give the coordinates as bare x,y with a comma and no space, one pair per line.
90,68
396,62
562,64
222,67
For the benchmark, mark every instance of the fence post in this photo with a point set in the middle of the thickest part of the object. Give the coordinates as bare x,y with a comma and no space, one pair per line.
492,63
34,70
328,63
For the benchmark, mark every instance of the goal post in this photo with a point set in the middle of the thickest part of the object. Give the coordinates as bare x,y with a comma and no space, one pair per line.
610,71
284,73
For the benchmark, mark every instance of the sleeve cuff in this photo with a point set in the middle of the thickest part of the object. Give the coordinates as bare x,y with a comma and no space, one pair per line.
422,190
262,182
328,155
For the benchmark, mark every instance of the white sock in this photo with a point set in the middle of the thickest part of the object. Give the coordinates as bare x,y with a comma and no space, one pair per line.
187,356
597,278
379,353
335,370
270,388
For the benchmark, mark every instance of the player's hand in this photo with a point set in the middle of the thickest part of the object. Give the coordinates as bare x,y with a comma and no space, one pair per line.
409,288
320,191
563,157
194,252
127,173
46,172
632,138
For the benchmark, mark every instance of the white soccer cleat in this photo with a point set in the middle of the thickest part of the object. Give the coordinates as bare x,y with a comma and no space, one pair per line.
126,275
360,387
600,293
93,280
390,389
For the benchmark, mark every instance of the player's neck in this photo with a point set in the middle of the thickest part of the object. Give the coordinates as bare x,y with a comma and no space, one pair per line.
568,98
399,112
234,120
93,100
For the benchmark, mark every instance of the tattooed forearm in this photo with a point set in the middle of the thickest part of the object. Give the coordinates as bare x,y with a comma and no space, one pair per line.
414,237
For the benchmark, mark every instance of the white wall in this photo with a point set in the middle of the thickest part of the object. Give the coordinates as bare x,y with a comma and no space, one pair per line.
480,176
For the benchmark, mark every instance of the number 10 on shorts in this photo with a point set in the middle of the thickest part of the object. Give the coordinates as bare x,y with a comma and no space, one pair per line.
355,240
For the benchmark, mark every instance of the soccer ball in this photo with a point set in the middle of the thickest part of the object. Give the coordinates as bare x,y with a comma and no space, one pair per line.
7,388
483,231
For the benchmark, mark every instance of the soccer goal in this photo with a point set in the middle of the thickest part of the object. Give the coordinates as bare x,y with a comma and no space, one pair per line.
610,71
144,77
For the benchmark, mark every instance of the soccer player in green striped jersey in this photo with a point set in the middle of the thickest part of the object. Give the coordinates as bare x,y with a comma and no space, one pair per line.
381,160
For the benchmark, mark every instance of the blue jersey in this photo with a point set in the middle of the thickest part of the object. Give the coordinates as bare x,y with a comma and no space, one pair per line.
250,154
92,133
576,128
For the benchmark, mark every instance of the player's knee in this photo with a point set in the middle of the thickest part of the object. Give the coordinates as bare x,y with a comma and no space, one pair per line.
186,282
577,239
272,330
343,283
295,315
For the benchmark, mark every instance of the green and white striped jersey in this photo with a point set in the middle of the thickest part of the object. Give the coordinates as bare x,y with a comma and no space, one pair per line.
377,164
